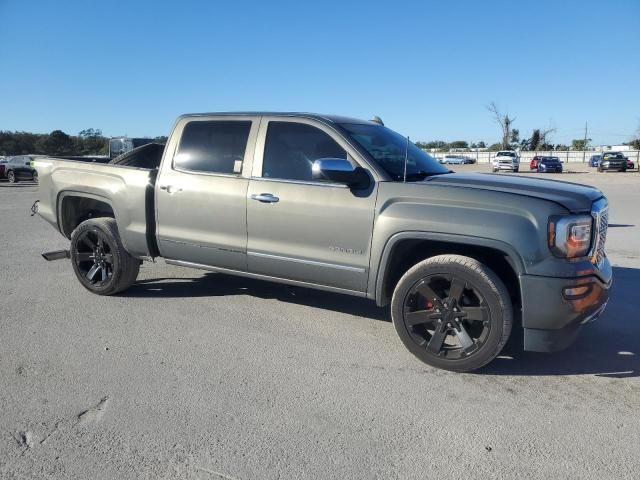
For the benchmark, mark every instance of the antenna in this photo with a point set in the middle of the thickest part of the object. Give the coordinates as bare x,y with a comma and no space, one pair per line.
406,158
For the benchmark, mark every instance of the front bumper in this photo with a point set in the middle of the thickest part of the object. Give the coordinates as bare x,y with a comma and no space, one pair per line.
551,318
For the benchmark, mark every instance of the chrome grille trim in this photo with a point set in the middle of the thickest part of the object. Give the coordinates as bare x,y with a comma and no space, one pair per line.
600,214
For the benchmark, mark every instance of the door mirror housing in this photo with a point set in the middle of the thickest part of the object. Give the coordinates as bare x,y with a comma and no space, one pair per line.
340,170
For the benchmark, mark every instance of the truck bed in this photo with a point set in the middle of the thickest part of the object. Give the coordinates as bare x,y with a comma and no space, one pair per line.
125,192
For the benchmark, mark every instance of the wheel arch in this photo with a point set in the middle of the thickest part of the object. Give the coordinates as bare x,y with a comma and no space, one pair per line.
75,207
405,249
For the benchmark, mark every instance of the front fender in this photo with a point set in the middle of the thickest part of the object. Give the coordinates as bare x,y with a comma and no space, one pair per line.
513,224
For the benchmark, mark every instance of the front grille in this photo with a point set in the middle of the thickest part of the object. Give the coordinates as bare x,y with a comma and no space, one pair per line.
600,213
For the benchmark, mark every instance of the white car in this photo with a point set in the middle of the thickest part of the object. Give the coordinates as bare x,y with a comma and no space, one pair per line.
506,160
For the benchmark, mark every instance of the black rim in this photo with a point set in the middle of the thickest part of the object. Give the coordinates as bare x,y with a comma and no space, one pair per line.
94,258
447,317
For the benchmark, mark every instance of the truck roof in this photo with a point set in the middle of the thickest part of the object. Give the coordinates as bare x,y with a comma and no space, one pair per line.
313,116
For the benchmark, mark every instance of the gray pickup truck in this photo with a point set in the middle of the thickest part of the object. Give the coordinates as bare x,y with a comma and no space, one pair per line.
348,206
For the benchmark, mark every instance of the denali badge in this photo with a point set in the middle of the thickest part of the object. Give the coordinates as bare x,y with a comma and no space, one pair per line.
352,251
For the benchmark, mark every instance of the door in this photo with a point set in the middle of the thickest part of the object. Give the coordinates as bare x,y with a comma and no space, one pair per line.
22,167
301,229
201,192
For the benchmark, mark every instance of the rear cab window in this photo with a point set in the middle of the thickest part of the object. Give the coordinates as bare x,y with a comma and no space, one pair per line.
213,146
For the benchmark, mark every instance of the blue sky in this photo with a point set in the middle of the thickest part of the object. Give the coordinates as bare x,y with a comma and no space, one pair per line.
427,68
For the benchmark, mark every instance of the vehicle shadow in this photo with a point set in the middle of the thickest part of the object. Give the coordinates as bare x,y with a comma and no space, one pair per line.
610,347
218,284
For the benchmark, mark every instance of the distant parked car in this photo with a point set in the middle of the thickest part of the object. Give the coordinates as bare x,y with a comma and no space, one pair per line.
595,160
613,161
454,159
506,160
469,160
549,165
20,168
3,165
533,164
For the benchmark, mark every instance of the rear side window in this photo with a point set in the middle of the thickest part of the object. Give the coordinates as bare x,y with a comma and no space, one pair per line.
291,148
213,146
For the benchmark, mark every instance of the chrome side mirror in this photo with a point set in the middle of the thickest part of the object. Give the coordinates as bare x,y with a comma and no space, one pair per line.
340,170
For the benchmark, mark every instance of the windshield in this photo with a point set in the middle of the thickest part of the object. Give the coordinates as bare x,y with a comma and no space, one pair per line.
388,149
506,154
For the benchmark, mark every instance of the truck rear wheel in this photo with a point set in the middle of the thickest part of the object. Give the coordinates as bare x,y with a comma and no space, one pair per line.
99,259
452,312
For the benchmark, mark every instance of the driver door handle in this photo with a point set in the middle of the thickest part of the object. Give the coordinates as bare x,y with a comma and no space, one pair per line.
170,188
265,197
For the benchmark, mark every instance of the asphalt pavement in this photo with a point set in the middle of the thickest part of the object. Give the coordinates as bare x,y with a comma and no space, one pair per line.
197,375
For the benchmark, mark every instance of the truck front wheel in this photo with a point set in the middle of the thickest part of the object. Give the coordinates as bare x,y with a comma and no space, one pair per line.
99,259
452,312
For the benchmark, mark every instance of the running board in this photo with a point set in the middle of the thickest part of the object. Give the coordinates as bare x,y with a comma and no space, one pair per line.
56,255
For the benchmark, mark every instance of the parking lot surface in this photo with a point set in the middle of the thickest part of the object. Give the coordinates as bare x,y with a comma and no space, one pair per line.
192,374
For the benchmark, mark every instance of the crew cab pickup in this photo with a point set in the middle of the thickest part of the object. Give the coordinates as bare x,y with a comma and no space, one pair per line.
348,206
506,160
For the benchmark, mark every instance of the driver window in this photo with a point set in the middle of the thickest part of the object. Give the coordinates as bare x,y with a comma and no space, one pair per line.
291,148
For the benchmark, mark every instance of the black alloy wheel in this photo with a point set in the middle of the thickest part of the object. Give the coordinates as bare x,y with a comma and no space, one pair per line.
446,316
99,259
11,176
94,258
452,312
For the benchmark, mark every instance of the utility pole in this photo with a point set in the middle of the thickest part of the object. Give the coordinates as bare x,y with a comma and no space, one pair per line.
584,152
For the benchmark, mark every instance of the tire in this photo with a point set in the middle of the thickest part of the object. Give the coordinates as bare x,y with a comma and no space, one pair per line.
11,176
516,170
35,177
478,317
99,260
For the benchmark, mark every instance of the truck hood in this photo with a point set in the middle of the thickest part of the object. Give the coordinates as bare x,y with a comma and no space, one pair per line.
573,196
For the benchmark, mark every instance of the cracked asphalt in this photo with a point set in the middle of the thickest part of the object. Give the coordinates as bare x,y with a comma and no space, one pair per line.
198,375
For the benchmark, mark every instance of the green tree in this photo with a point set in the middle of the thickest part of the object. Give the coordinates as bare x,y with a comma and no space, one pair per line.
495,147
56,143
91,142
535,140
459,144
580,144
515,136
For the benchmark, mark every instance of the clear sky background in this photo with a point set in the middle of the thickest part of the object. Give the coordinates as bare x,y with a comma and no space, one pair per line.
427,68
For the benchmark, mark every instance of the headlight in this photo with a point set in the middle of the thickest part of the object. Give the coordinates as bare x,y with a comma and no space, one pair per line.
605,163
570,235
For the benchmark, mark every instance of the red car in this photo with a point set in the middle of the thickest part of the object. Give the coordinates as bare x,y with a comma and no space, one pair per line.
630,165
533,164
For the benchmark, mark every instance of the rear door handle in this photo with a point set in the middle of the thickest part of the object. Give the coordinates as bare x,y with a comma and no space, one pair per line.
170,188
265,198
